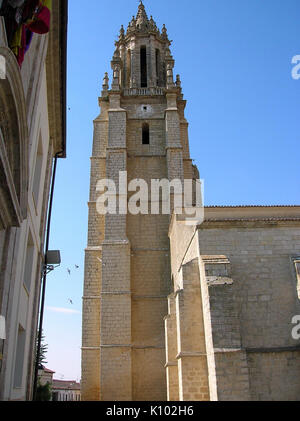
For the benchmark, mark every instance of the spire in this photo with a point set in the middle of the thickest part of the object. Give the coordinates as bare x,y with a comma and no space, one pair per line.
105,85
141,24
142,21
153,26
131,25
164,33
122,33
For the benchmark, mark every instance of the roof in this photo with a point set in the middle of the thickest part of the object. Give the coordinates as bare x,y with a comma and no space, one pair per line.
65,385
250,216
47,370
250,206
57,76
252,213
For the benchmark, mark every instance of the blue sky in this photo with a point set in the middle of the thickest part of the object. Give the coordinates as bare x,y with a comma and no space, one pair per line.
234,58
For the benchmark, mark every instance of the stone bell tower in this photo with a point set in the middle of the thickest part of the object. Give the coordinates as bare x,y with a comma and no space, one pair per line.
142,130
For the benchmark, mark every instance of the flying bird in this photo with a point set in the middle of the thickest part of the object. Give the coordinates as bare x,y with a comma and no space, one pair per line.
76,266
70,301
69,272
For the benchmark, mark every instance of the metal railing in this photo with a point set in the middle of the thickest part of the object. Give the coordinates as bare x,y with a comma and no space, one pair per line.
143,91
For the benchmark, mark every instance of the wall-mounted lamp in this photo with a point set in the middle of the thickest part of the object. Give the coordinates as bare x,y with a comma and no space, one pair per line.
52,260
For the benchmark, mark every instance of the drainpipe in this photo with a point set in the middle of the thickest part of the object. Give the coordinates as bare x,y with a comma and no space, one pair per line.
44,278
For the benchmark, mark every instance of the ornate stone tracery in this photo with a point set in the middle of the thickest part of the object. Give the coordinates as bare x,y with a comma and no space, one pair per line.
14,145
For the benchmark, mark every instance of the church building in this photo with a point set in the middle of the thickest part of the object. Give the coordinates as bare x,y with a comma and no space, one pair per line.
174,310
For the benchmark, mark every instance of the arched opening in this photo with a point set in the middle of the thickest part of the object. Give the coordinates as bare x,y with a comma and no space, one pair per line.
13,145
145,134
128,68
143,55
157,64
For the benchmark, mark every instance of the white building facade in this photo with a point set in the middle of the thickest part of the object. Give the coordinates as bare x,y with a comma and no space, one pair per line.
32,133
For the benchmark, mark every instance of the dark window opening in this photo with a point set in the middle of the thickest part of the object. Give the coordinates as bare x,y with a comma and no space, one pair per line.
143,67
128,68
146,134
157,53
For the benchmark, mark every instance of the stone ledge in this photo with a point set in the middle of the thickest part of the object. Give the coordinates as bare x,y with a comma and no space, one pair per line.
190,354
148,347
171,364
295,348
216,259
116,242
149,297
124,346
115,346
227,350
117,110
116,293
90,348
249,223
218,280
96,248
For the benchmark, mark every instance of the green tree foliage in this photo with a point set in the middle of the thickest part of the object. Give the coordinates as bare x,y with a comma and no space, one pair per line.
43,351
43,392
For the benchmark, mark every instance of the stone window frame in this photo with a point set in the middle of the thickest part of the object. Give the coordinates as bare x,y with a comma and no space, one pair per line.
296,264
14,143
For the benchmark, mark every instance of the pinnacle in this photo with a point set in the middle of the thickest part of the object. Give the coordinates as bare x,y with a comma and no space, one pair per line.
141,17
142,24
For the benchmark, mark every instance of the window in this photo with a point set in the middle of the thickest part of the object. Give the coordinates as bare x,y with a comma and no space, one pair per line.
143,55
37,173
157,56
29,262
296,261
19,361
128,68
145,134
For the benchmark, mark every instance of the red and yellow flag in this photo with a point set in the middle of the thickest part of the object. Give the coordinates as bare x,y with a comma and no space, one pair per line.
40,22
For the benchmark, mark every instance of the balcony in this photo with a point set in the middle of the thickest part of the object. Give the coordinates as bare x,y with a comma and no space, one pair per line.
144,91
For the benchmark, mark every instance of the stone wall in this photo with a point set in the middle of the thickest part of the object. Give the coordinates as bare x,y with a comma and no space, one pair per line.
245,260
150,276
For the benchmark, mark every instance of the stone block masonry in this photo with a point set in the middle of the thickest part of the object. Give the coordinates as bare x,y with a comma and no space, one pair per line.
127,269
247,283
